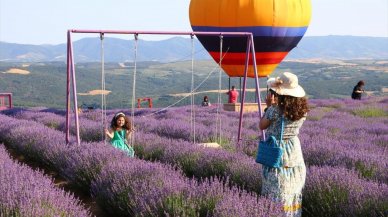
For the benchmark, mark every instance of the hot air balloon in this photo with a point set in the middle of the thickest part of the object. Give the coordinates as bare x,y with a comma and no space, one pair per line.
277,27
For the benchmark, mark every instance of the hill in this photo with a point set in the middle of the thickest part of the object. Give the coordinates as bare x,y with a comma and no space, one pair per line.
44,84
179,48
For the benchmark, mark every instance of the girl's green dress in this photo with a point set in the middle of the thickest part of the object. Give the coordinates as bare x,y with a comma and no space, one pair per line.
118,141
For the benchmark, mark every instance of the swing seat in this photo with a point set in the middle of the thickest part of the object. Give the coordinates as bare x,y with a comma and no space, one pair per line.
210,145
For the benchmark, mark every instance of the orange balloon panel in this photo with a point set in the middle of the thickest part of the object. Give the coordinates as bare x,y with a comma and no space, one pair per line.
234,63
277,27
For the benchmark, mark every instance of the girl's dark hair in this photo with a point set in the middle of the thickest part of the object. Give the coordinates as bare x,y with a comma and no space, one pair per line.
361,83
293,108
127,124
205,98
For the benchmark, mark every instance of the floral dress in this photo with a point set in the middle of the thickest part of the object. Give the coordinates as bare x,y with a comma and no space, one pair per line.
119,141
285,184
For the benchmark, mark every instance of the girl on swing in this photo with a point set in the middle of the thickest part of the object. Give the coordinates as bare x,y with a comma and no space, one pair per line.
120,133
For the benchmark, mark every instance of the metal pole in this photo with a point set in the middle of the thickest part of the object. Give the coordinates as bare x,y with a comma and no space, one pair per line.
74,93
256,97
160,32
257,83
10,101
103,96
69,63
240,89
244,86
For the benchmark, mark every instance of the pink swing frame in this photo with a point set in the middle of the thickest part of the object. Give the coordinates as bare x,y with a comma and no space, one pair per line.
71,78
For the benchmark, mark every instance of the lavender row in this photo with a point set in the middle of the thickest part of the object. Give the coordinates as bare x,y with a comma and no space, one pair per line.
193,160
162,123
200,162
319,194
142,188
350,145
151,189
228,163
343,139
114,190
339,192
26,192
336,140
90,131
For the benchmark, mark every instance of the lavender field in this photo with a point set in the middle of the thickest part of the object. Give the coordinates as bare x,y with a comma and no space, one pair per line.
344,144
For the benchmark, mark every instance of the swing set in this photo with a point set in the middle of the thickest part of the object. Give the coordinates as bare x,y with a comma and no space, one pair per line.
3,104
148,99
71,76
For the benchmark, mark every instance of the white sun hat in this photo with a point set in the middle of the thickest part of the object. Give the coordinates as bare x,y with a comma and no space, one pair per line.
286,84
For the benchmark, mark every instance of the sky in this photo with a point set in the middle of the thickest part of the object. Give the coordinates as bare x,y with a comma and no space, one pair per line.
47,21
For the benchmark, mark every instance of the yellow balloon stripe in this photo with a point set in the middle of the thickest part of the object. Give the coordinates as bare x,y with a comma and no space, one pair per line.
232,13
238,70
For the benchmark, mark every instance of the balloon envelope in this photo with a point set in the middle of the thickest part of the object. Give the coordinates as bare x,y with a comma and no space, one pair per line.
277,27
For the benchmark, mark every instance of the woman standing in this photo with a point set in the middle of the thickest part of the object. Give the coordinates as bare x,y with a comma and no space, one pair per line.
286,102
205,101
358,90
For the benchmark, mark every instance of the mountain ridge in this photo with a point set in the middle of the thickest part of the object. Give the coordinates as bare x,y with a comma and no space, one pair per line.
179,48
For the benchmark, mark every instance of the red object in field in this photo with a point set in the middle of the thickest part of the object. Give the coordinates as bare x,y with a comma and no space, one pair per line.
139,100
3,104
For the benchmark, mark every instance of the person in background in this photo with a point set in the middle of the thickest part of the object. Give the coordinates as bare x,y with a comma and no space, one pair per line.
120,132
205,101
233,95
358,90
286,103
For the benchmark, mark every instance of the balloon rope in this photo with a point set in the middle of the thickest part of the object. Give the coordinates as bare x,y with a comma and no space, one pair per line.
195,89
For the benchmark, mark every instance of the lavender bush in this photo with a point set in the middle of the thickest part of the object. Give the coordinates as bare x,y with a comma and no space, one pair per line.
83,166
333,191
343,137
26,192
37,142
135,187
201,162
145,189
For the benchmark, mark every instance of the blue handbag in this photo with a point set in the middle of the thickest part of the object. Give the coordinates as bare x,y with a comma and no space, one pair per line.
269,152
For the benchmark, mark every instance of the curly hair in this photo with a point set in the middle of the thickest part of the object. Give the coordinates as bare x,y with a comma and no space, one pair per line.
293,108
127,125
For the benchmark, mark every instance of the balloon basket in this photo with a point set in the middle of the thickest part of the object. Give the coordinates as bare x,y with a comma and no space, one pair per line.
248,107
